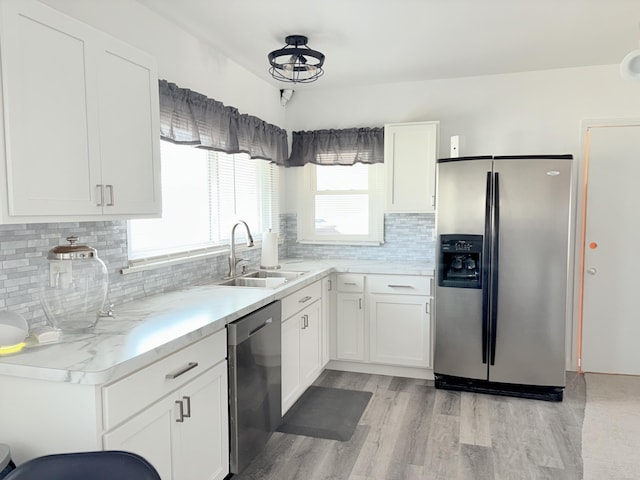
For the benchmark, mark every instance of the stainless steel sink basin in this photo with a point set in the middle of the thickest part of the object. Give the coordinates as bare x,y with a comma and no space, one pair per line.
262,279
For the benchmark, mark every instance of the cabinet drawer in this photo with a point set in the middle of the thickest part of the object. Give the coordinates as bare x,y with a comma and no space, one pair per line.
399,284
131,394
349,282
300,299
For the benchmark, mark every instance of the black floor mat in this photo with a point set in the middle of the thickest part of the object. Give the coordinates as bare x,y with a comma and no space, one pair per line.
321,412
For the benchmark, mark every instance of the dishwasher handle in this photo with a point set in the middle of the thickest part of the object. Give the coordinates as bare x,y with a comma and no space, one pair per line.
257,329
246,327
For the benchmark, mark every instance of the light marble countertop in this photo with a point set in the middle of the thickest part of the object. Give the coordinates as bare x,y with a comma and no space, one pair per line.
149,329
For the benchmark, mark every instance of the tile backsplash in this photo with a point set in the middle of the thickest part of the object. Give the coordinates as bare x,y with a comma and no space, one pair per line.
24,266
408,238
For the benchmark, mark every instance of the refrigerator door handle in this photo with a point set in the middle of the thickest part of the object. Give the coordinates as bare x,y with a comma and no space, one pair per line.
485,267
494,268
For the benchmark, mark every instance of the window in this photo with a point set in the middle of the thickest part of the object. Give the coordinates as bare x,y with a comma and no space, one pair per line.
203,194
342,204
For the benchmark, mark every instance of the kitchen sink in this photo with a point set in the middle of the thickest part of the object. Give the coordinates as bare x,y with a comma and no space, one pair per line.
286,274
262,279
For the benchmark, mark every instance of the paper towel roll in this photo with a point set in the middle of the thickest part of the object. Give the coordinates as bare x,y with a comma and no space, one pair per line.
269,257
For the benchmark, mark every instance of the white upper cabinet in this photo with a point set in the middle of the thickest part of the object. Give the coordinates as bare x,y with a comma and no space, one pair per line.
410,151
81,121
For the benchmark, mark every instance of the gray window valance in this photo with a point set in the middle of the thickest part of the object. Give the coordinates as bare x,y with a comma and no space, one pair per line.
190,118
337,147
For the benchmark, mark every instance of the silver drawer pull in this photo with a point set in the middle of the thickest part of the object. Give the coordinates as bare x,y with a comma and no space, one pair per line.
101,192
187,410
182,371
399,286
180,419
349,283
111,199
305,299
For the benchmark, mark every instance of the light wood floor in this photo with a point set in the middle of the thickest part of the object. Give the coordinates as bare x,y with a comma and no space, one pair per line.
410,431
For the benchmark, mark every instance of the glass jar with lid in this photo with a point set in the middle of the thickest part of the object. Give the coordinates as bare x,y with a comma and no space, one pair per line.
74,290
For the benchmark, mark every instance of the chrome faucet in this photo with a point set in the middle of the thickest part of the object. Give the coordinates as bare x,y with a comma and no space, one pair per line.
233,261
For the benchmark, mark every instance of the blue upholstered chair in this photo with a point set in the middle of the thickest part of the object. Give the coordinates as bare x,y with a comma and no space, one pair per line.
103,465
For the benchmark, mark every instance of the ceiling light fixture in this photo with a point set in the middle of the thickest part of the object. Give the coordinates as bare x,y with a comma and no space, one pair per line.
296,62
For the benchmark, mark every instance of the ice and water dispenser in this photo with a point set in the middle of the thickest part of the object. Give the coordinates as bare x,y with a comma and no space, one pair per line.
460,262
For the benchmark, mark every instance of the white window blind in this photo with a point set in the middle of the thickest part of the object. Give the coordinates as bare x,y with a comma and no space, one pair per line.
342,204
203,194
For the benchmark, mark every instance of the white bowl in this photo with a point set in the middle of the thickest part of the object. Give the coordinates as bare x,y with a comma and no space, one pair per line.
13,329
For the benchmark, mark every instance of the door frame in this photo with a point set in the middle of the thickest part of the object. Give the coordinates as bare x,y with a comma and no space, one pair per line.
582,180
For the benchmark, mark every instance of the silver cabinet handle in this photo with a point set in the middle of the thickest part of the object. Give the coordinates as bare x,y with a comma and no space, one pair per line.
360,303
101,193
111,199
187,410
305,321
180,419
182,371
329,286
399,286
350,283
305,299
428,308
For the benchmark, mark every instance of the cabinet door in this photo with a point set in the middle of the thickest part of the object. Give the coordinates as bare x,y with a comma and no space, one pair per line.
52,152
400,330
129,138
310,361
349,327
152,434
204,434
410,151
290,361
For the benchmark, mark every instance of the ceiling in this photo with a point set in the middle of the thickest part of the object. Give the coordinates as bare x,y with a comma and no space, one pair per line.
382,41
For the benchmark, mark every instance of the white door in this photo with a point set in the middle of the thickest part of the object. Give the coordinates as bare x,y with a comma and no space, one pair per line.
52,153
290,361
610,318
399,330
204,434
128,87
151,434
349,327
310,345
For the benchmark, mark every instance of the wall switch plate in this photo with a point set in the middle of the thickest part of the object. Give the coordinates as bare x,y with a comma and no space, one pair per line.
455,146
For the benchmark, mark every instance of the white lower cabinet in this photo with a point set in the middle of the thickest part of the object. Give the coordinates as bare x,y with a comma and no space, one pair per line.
350,322
301,342
350,326
400,330
185,434
383,319
174,412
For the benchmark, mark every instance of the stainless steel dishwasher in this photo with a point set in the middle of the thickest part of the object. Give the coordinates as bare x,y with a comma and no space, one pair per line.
255,395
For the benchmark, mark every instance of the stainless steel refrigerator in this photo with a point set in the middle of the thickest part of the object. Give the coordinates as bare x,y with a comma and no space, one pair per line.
501,292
